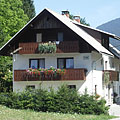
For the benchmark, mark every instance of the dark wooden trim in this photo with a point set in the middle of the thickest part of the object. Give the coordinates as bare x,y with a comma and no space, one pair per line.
62,47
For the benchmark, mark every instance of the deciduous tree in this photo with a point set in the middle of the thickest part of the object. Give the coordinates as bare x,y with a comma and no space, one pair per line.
12,19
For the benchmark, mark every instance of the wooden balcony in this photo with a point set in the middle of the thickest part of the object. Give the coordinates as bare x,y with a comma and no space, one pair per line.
62,47
113,75
70,74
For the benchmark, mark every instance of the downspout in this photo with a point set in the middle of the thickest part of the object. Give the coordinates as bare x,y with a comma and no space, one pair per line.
93,63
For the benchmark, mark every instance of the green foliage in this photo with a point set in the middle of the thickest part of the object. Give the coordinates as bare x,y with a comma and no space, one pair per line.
12,19
83,21
47,47
15,114
5,74
106,78
65,100
28,8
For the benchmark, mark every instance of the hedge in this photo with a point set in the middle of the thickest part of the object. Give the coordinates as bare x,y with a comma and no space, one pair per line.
65,100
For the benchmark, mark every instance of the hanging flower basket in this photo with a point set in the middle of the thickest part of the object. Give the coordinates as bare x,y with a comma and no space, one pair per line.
47,48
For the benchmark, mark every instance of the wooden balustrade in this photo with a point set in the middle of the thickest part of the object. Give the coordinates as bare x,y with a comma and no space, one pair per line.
62,47
70,74
113,75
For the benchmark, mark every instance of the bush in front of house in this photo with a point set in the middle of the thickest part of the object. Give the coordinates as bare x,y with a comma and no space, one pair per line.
65,100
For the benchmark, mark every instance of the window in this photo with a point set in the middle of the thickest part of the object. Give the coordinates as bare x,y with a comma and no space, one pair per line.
30,87
95,89
60,36
65,63
105,65
39,37
72,86
37,63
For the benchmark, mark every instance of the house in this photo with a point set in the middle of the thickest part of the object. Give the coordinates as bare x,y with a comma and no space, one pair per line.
90,62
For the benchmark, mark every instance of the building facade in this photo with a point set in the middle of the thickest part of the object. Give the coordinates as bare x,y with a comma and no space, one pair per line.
90,63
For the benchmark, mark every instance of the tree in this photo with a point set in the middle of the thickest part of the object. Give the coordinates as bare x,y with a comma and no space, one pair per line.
5,74
28,8
82,20
12,19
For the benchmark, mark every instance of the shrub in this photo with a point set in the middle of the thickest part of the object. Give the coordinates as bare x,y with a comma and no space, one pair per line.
65,100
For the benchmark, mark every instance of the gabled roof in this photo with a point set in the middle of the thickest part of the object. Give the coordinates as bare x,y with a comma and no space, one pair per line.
69,23
98,30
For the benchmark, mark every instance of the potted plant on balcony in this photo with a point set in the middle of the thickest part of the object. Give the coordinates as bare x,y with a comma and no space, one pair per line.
47,47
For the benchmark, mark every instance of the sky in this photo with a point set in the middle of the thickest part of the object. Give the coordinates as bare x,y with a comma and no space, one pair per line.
96,12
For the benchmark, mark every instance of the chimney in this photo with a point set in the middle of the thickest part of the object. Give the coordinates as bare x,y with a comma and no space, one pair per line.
77,18
66,12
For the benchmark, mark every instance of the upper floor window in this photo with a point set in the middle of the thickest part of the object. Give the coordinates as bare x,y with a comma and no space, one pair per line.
39,37
60,36
37,63
65,63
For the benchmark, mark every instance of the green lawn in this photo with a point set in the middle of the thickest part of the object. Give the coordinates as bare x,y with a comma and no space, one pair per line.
13,114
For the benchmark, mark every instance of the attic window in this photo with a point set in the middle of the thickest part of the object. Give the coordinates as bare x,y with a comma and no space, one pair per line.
39,37
48,18
60,36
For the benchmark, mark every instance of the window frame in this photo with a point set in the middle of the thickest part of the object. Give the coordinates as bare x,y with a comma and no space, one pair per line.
65,62
38,62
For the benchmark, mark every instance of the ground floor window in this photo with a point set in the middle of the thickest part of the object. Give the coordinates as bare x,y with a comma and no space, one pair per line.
72,86
63,63
37,63
30,87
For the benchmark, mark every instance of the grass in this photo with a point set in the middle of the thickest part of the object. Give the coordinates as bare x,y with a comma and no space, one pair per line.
13,114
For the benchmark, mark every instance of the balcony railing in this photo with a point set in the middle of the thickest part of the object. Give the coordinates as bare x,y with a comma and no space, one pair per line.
70,74
62,47
113,75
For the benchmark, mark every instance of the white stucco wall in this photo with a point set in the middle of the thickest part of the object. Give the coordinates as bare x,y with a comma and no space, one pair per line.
21,62
20,86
